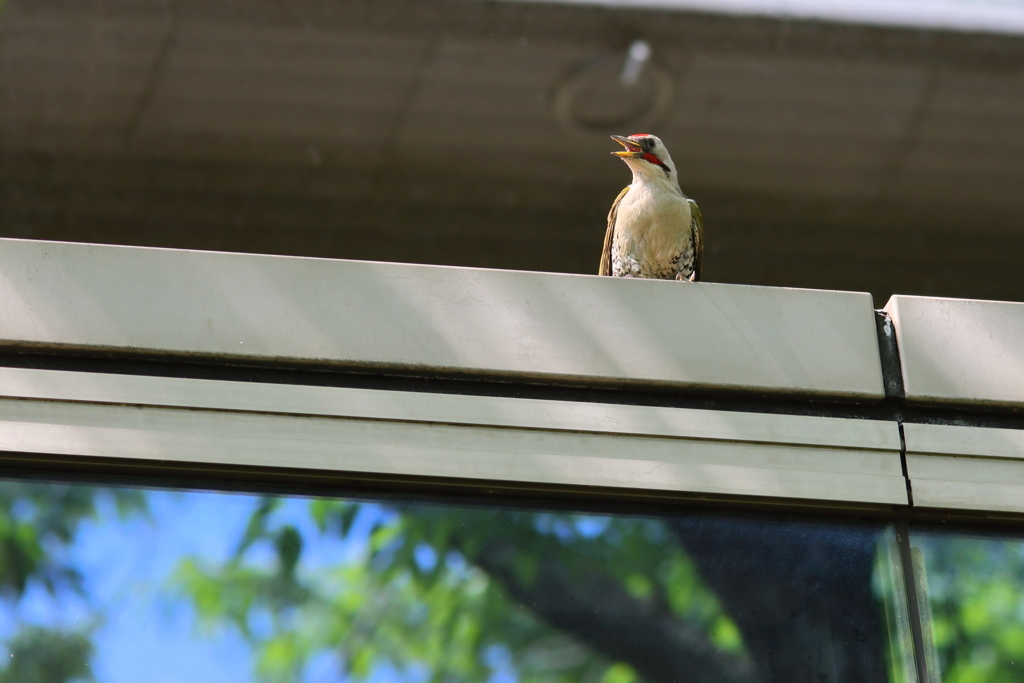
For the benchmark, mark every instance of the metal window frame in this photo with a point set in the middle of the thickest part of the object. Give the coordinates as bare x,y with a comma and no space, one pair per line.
767,354
477,438
496,326
811,407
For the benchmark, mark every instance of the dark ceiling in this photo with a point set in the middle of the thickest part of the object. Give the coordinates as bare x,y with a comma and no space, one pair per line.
475,133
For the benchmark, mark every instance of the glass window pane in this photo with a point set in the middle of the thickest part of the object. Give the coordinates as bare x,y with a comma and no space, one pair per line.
971,586
128,584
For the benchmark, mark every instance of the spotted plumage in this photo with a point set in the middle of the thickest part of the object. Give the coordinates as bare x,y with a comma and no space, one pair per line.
654,230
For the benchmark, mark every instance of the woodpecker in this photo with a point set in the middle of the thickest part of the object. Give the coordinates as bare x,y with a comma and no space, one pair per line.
654,230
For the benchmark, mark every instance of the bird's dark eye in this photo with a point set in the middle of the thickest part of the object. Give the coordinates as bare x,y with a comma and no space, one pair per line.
650,143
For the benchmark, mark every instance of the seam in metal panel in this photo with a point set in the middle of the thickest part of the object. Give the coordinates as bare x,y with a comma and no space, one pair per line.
903,463
892,380
889,355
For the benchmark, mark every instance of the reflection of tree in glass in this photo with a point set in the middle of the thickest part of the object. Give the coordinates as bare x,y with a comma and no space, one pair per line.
436,588
472,593
37,525
976,593
464,593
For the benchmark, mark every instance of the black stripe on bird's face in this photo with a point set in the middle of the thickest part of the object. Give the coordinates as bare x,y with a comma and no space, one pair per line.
647,145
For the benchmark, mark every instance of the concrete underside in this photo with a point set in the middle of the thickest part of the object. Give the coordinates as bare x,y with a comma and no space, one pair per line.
826,156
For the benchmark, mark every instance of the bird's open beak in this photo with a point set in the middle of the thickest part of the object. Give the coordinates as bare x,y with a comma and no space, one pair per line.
632,149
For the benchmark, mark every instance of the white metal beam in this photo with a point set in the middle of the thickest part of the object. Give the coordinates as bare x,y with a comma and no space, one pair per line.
430,319
959,350
973,468
407,406
475,438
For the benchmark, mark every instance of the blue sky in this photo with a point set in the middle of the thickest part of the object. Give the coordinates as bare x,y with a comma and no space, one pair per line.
148,633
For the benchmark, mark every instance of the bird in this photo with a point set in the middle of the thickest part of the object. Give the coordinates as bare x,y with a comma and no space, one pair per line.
654,230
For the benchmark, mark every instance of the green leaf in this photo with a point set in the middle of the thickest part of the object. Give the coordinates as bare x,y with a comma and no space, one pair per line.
289,547
38,655
619,673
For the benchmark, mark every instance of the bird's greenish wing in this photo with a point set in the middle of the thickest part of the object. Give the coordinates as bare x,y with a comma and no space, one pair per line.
697,228
609,236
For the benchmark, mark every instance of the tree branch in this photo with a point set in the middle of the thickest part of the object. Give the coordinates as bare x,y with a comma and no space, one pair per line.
800,593
595,608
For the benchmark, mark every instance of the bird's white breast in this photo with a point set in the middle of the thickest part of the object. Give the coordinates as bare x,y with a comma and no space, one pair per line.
652,232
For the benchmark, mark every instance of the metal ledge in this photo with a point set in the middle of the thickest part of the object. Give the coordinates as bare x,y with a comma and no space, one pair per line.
960,351
429,319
